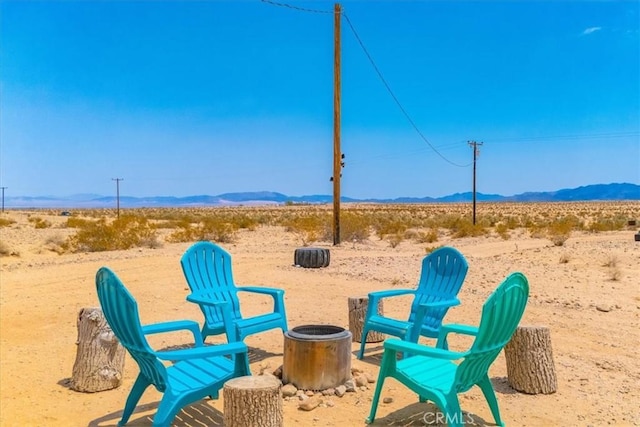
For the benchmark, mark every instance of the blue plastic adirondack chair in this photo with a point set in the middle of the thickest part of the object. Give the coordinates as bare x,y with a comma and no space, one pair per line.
442,276
197,372
207,269
432,372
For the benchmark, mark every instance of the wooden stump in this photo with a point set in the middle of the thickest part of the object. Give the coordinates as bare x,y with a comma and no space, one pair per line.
530,367
253,401
357,313
100,356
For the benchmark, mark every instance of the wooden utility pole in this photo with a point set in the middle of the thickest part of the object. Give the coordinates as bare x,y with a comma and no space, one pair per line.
3,188
476,151
117,180
337,155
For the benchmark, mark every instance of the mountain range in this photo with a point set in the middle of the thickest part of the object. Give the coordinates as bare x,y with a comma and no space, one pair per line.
596,192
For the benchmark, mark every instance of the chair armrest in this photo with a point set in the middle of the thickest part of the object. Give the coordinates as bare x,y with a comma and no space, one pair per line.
224,307
261,290
200,352
395,345
391,293
176,325
455,328
421,313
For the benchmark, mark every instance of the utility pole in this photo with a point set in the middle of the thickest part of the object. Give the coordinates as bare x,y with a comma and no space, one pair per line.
337,154
3,188
117,180
476,151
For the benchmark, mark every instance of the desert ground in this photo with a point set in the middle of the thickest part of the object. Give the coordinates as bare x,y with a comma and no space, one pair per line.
586,291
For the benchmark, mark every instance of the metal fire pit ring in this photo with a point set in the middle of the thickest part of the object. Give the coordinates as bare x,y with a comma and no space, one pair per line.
317,332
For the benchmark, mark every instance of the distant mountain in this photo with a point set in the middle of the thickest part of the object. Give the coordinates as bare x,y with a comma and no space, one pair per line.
624,191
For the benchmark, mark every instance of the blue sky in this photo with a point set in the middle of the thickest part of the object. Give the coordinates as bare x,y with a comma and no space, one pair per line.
207,97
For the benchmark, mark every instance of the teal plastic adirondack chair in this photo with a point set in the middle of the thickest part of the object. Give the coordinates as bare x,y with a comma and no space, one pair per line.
443,273
432,372
207,269
197,372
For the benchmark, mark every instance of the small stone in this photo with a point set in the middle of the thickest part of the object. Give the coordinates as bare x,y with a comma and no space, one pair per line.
289,390
278,372
310,404
387,400
330,403
341,390
370,378
310,393
361,380
603,308
356,371
329,392
350,385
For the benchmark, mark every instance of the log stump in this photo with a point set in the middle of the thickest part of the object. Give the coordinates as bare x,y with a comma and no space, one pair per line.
253,401
530,367
311,257
357,312
99,361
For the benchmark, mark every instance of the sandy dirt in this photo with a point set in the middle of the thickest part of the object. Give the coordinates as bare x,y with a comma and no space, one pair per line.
593,321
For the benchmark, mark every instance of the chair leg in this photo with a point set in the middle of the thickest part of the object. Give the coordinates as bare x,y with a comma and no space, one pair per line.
138,388
363,341
388,359
490,395
167,410
453,413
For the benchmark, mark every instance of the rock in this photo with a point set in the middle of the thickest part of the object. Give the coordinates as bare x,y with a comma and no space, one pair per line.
289,390
310,404
350,385
387,400
329,392
361,380
604,308
278,372
310,393
370,378
341,390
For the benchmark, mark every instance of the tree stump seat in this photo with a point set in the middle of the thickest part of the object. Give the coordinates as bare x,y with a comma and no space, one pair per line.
530,367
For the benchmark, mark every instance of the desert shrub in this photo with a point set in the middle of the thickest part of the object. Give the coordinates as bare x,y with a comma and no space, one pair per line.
611,261
39,222
56,244
465,228
354,227
394,239
309,228
386,226
615,273
607,224
559,230
503,230
5,250
126,232
425,236
213,228
5,222
75,222
430,249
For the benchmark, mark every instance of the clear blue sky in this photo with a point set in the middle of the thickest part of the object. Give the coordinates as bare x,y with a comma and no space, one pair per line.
205,97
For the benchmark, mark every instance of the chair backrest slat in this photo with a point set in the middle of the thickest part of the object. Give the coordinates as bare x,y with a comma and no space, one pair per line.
501,314
443,273
121,311
207,268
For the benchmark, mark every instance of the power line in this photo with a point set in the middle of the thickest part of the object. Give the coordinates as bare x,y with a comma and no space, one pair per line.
395,98
300,9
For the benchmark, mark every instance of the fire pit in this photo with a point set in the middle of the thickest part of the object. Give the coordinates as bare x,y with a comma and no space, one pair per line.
316,357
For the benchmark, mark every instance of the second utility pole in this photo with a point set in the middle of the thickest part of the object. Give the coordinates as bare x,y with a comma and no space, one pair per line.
475,156
117,180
